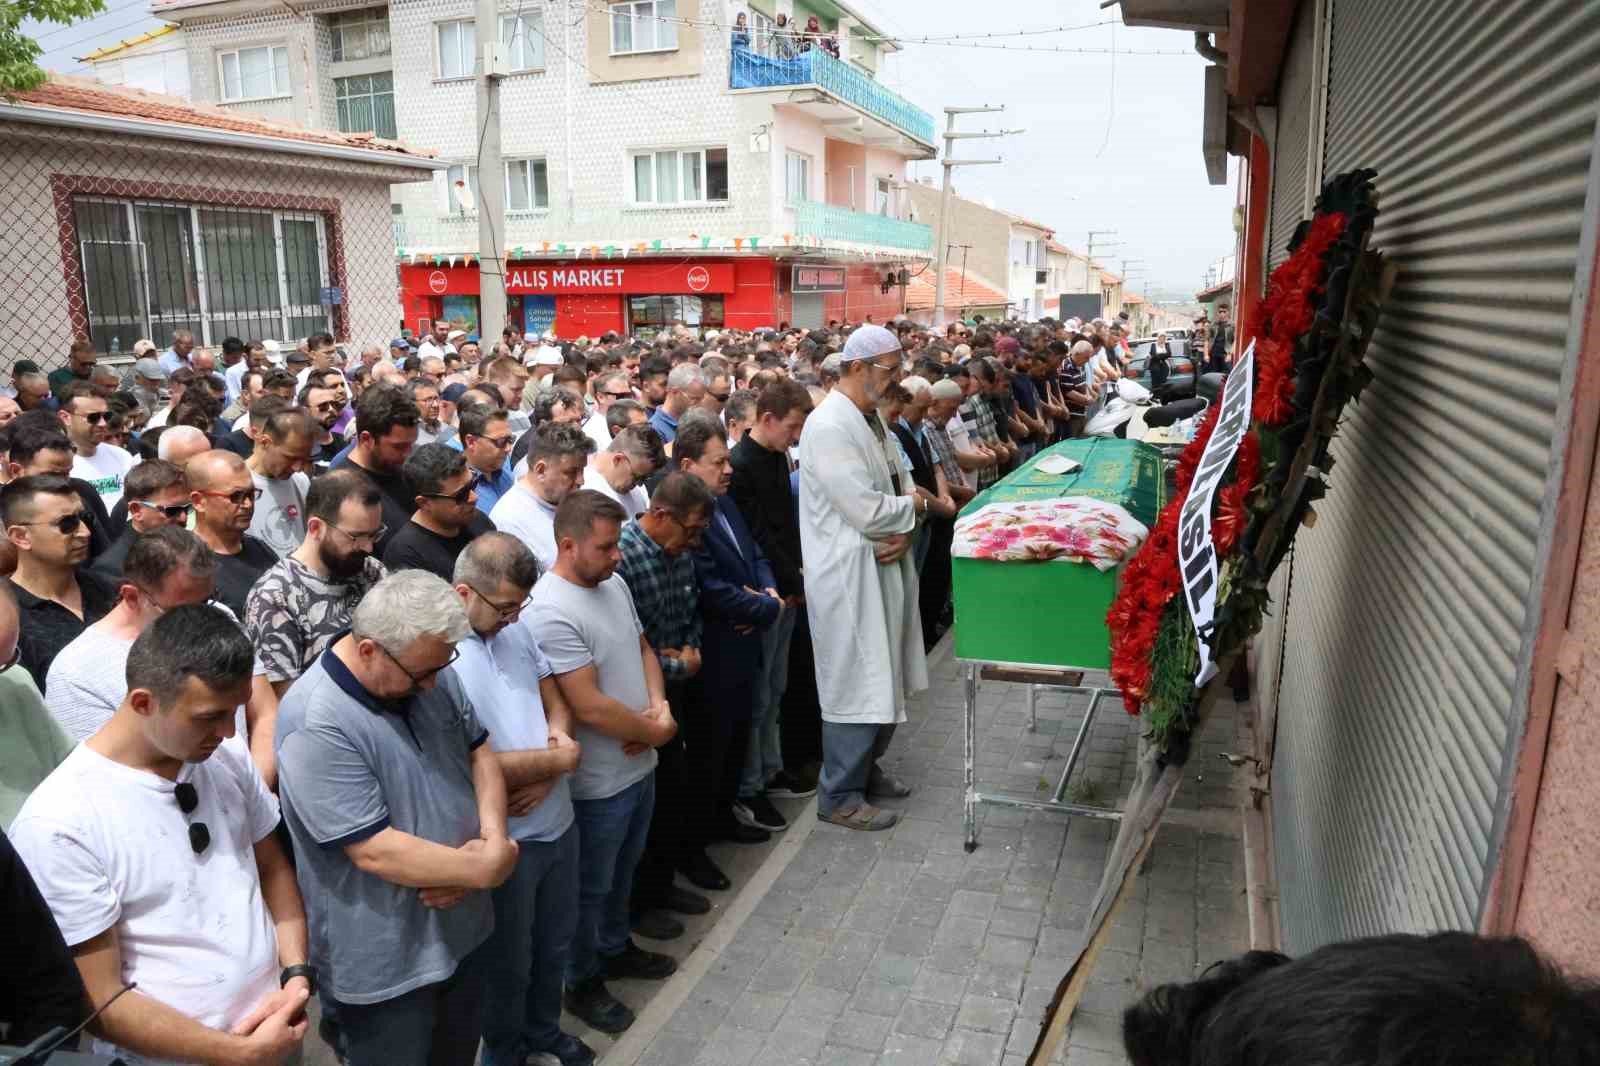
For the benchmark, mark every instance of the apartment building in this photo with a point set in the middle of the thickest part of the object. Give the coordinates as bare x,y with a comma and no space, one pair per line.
656,168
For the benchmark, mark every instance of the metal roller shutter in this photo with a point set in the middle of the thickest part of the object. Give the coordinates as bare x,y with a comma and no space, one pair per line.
1400,695
1293,137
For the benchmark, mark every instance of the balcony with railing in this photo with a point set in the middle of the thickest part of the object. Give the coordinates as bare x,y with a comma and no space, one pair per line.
844,82
840,224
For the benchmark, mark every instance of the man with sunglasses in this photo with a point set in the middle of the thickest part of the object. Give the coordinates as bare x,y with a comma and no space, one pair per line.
486,441
397,807
84,413
297,608
447,517
157,495
154,822
57,597
278,466
431,427
323,403
511,687
224,494
609,388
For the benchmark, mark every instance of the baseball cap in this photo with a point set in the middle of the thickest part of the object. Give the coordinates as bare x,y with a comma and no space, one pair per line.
400,342
149,367
143,347
296,357
452,392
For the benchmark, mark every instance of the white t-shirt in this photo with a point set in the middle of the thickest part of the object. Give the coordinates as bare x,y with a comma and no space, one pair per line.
522,513
105,470
635,501
108,846
280,517
597,430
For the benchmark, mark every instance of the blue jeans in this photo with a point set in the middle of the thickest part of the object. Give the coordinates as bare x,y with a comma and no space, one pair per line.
849,751
764,754
535,913
611,837
435,1025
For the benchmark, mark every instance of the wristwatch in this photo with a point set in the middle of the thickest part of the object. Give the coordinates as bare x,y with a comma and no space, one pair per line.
302,969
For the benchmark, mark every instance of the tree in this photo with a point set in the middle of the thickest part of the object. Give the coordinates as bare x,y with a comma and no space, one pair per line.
19,55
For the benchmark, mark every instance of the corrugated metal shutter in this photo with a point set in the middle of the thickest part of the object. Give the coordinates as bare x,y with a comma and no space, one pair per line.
1294,135
1410,598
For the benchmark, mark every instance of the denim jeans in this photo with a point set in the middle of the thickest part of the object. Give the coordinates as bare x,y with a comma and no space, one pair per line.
436,1025
611,837
849,751
535,913
764,753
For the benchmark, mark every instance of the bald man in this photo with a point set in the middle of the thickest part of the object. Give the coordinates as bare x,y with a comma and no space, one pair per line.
224,497
179,444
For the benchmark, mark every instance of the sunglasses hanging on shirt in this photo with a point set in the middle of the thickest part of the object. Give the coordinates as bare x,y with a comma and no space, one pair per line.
188,799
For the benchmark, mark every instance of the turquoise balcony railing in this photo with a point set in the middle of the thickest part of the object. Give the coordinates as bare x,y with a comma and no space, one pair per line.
857,227
748,70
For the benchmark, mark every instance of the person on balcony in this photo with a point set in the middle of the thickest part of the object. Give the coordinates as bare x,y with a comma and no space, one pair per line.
741,32
815,38
783,39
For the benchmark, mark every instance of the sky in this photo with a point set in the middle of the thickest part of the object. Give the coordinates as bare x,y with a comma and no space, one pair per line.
1111,142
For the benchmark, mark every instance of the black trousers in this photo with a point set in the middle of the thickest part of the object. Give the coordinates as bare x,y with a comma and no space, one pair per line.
935,584
801,730
668,823
716,735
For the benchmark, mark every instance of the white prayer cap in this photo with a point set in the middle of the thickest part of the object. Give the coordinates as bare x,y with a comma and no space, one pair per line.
945,389
869,342
916,386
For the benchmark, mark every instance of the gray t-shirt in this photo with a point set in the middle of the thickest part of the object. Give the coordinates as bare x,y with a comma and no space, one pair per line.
280,517
349,767
578,627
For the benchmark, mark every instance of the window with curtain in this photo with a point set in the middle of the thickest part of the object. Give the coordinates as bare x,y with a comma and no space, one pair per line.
365,103
527,185
360,34
882,197
796,177
523,39
254,73
644,26
457,41
462,172
681,175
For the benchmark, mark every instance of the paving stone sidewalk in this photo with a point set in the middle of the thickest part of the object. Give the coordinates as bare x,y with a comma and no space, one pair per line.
900,948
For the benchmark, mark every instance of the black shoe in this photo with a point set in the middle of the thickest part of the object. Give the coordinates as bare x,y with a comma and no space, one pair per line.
785,785
568,1050
637,962
759,813
657,925
598,1008
682,901
703,873
883,785
736,833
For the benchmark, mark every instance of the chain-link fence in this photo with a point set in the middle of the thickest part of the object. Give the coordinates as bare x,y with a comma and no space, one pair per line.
118,237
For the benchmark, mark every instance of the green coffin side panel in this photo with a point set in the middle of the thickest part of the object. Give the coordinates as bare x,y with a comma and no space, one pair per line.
1054,613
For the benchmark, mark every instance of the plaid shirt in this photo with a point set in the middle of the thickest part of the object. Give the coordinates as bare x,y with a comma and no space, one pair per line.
979,417
941,451
665,593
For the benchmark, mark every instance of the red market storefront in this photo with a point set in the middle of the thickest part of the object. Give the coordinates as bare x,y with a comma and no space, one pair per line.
587,297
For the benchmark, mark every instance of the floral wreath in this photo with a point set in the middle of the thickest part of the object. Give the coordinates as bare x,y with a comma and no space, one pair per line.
1311,334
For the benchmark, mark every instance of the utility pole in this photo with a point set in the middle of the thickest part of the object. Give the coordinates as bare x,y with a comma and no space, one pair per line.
1094,236
950,137
491,179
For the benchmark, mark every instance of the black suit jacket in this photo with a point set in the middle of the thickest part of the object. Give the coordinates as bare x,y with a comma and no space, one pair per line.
760,489
724,568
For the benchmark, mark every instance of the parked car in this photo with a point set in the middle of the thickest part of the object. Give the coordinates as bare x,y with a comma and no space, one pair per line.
1176,334
1180,371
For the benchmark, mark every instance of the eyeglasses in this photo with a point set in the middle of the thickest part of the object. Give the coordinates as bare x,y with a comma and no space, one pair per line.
173,511
426,675
506,611
188,799
94,418
619,395
16,657
461,495
371,538
326,405
66,525
697,528
239,498
886,367
720,397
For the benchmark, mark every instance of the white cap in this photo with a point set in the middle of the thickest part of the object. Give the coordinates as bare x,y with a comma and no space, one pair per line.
453,334
916,386
548,356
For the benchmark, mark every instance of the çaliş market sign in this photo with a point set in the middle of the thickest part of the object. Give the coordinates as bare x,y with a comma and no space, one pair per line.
581,278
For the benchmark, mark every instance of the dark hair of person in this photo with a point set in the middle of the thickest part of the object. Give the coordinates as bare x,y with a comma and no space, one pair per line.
579,512
154,555
418,384
383,408
495,558
545,404
17,497
558,440
620,414
280,379
571,376
319,340
427,468
681,495
232,346
641,441
411,364
693,437
264,408
480,395
329,492
474,419
655,366
195,641
741,405
1385,1001
35,432
150,477
79,390
782,397
184,375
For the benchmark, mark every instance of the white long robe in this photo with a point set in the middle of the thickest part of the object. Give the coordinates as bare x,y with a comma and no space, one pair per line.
865,626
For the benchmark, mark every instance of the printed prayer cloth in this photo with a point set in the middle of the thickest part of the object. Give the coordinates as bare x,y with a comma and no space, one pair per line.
1075,529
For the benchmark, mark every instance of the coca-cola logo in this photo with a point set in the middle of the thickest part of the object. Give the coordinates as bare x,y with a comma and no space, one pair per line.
438,282
699,279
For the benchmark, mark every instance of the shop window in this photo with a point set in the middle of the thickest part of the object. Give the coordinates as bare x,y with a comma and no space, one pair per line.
644,26
151,268
457,41
648,315
681,176
366,104
360,34
254,73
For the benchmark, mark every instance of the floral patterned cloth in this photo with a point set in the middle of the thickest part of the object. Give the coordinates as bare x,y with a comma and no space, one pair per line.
1075,529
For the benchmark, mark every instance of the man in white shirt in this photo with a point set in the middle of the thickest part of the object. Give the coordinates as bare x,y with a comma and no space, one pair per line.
153,823
556,461
609,388
84,414
621,470
278,465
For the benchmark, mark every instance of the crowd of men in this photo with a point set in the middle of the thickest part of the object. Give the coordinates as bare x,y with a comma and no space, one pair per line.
416,680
